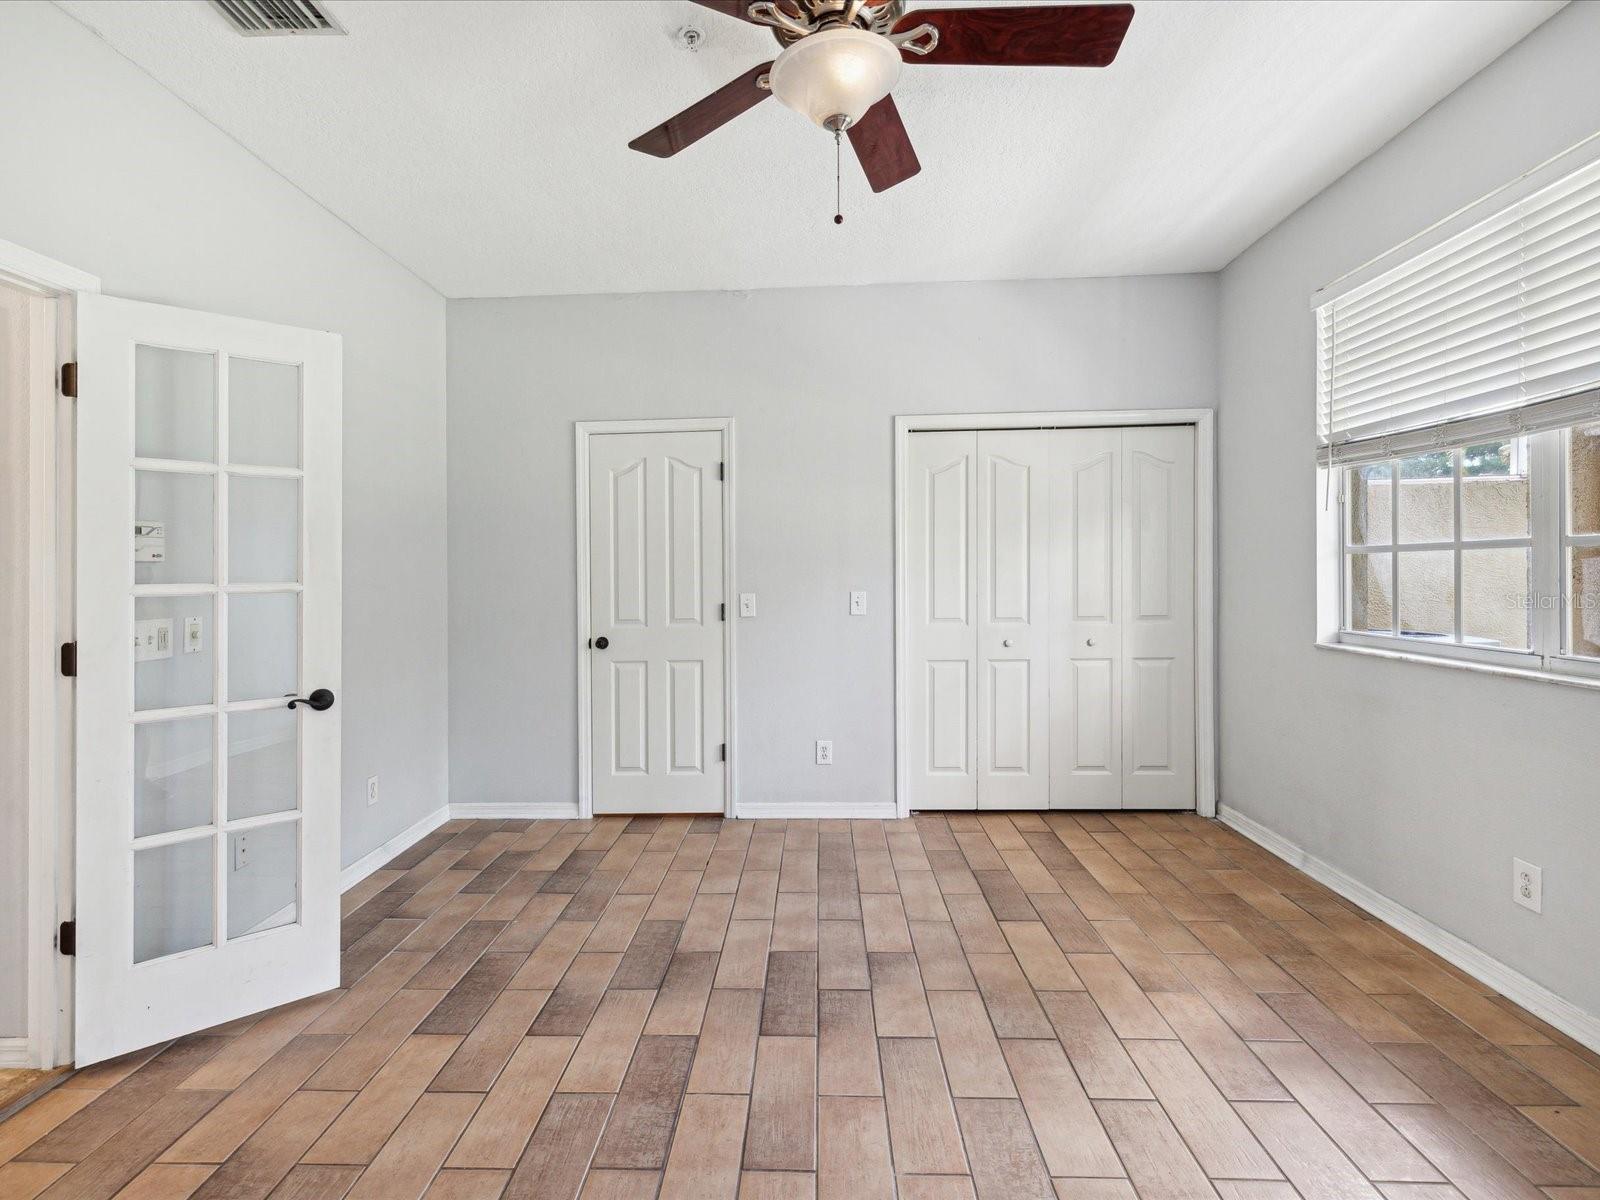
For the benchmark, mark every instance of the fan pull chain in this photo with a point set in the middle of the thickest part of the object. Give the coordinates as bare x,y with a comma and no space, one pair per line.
838,202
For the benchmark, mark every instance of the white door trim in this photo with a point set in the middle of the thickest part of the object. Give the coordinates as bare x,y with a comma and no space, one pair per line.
48,1042
1203,420
582,432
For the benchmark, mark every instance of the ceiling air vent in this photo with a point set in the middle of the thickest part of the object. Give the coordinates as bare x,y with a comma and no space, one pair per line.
271,18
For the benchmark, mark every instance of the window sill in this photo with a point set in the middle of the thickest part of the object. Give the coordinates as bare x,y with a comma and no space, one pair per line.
1585,682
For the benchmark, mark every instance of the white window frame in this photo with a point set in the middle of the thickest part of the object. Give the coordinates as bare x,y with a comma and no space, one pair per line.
1550,539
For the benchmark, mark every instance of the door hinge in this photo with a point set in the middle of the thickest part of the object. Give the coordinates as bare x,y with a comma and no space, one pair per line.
69,379
724,754
67,939
69,659
722,470
722,612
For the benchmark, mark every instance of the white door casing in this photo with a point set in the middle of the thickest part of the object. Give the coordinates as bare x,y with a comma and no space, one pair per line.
1013,634
1085,600
1158,618
207,811
656,598
941,608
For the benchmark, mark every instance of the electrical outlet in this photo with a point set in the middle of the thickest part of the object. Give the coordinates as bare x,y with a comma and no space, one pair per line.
1527,885
241,851
372,790
858,604
747,604
824,754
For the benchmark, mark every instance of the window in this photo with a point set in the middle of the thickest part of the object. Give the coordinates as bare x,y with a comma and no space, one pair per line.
1444,551
1458,409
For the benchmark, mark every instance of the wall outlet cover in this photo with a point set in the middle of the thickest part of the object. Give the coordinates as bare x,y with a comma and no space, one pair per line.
824,754
1527,885
372,790
747,604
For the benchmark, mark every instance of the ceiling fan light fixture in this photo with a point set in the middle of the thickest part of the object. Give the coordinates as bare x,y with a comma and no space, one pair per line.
835,76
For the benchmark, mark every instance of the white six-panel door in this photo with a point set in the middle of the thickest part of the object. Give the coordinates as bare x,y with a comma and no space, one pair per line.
208,596
656,622
1050,588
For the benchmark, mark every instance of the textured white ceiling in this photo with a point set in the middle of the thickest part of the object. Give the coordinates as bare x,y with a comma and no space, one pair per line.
484,144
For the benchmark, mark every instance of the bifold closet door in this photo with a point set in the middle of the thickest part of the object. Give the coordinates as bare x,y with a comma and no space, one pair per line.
1122,599
941,494
1013,635
977,585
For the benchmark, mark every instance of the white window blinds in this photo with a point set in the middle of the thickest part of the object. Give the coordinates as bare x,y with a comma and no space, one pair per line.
1493,332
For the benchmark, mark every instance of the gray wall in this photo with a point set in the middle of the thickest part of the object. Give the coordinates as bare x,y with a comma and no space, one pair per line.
813,379
1420,781
108,171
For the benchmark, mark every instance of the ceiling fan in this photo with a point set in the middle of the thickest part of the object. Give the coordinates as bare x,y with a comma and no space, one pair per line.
842,57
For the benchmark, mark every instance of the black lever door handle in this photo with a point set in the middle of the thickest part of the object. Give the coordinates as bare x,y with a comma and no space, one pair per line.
600,643
320,700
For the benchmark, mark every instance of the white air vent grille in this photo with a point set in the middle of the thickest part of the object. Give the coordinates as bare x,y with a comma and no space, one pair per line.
267,18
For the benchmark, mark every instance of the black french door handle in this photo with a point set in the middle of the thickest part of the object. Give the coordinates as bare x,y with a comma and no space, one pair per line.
320,700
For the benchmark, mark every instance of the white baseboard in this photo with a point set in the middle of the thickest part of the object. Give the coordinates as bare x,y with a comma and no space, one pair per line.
566,810
404,840
1571,1020
16,1052
816,810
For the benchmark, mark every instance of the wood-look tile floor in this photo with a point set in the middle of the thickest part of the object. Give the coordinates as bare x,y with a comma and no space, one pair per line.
1028,1006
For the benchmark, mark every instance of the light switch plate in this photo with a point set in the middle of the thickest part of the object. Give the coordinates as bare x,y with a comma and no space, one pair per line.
152,639
858,604
192,640
747,604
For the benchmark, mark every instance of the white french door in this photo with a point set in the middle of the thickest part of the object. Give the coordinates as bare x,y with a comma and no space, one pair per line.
656,622
208,583
1050,600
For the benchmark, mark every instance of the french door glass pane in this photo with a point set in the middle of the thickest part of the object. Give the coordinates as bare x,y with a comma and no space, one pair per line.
173,663
263,878
263,530
1584,600
1370,490
1428,594
175,404
175,527
263,413
172,898
263,762
1369,602
1583,479
172,775
263,645
1495,495
1427,499
1495,591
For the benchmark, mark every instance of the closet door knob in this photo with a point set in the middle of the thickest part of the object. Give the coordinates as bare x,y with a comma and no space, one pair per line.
1006,643
1089,642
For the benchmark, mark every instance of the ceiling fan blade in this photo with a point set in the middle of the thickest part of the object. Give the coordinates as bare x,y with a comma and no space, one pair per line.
738,9
1058,35
700,118
880,142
